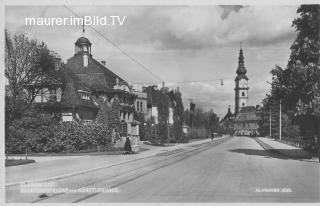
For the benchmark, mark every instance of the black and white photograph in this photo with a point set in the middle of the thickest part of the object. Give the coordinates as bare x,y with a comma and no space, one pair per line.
160,102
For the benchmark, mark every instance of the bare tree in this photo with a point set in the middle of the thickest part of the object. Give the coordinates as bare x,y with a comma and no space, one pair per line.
25,61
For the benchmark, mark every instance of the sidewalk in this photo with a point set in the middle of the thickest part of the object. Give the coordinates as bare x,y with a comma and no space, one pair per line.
285,149
59,167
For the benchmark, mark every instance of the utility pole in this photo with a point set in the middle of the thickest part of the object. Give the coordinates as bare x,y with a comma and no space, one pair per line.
270,122
280,122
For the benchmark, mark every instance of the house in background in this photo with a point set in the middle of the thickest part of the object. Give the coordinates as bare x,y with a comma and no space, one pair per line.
227,122
141,101
246,122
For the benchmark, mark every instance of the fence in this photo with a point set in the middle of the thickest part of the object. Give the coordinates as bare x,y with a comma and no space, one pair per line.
309,144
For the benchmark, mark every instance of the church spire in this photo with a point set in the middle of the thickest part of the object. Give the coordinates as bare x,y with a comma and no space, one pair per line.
241,68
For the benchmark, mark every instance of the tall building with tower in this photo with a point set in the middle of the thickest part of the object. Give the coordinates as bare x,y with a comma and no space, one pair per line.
244,120
241,85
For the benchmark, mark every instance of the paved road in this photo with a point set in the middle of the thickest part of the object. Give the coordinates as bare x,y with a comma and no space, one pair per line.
237,170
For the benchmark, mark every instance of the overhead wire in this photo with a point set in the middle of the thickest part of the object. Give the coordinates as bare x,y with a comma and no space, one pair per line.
120,49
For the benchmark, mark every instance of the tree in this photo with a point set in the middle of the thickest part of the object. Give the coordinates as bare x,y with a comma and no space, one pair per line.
163,115
25,60
298,84
305,61
108,116
178,116
204,122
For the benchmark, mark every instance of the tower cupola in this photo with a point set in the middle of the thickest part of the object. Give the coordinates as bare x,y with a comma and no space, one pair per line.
82,46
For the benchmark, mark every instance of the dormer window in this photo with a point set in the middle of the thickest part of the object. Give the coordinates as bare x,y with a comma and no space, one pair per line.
84,94
85,48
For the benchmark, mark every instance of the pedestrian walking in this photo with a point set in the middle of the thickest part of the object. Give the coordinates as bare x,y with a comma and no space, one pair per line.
127,147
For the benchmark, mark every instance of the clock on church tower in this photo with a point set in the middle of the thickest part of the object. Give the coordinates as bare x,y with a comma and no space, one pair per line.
241,85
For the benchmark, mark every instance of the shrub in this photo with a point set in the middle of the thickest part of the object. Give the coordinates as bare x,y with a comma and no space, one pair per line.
41,133
72,136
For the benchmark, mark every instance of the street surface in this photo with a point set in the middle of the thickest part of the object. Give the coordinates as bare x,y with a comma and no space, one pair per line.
235,170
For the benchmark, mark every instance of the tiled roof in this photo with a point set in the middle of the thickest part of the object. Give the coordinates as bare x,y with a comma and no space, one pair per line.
247,109
95,81
70,77
96,75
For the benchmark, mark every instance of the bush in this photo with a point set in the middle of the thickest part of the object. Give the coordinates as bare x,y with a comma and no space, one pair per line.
72,136
41,133
32,131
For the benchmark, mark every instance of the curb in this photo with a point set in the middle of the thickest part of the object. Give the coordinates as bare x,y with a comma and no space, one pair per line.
81,172
270,149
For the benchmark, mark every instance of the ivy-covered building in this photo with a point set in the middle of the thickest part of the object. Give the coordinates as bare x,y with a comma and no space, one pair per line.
82,85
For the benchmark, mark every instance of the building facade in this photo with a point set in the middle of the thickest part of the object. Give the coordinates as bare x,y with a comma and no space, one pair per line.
246,122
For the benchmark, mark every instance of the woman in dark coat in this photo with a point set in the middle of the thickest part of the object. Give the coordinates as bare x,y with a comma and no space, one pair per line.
127,147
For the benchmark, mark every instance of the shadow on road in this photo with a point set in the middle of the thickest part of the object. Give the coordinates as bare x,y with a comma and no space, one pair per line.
272,153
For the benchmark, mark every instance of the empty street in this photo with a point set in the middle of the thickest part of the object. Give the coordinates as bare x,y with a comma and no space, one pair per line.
235,169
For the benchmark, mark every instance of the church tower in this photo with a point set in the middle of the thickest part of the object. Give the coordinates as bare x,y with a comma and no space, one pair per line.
241,85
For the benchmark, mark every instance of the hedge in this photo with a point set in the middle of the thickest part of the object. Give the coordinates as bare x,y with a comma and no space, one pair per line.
40,133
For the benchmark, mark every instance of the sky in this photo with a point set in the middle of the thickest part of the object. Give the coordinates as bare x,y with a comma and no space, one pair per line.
190,47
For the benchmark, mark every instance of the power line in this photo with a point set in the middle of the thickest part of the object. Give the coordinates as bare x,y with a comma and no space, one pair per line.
116,46
183,82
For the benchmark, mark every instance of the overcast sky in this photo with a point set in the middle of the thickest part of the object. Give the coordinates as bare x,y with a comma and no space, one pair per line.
178,43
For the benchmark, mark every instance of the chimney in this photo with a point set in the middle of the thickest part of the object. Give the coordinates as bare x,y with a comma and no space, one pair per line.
229,109
85,60
104,63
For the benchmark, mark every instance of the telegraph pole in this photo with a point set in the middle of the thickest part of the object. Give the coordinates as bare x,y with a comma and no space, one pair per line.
280,122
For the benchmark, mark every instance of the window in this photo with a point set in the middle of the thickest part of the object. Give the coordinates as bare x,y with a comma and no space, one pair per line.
137,106
86,122
243,104
67,117
243,94
84,95
123,129
85,48
59,94
141,106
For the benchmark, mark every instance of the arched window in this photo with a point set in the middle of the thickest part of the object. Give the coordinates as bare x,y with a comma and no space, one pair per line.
243,94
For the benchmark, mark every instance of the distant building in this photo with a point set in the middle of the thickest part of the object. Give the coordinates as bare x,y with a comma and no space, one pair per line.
241,85
244,120
140,102
227,122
